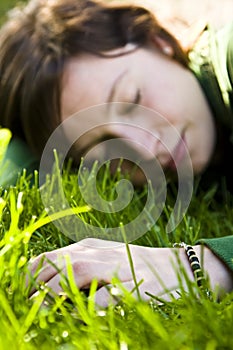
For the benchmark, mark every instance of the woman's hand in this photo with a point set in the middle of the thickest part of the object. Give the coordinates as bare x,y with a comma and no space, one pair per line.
156,268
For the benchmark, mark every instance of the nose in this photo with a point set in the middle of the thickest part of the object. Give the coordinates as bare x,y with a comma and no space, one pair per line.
141,140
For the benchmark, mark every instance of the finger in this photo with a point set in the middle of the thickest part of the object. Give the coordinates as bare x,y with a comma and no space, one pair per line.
112,294
83,274
55,286
45,266
49,262
42,268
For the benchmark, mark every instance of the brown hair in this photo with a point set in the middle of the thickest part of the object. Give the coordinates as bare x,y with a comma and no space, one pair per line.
37,40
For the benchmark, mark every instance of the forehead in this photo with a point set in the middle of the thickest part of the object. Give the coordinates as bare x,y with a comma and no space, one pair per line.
79,83
88,79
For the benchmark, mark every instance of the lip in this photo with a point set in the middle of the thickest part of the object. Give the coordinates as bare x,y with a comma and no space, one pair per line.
178,153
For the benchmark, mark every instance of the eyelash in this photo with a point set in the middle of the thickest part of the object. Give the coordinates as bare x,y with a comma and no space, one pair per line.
137,97
130,106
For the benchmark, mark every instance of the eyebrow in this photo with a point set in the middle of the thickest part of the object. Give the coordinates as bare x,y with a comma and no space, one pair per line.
114,86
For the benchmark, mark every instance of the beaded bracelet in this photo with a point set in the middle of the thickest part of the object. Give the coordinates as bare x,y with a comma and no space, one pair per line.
195,266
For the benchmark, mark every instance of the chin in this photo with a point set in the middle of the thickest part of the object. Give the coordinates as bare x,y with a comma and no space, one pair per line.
199,167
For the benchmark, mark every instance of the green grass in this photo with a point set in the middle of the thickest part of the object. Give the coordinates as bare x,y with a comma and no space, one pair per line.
75,323
5,6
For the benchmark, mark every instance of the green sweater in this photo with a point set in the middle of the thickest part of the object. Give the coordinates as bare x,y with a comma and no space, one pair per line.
211,60
17,158
212,63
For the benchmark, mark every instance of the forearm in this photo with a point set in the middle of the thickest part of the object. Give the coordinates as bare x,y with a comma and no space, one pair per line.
156,267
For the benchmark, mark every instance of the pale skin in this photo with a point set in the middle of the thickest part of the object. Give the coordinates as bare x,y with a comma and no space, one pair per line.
184,106
91,261
163,86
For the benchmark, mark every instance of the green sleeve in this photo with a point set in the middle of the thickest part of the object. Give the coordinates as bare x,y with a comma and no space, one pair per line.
230,65
222,247
222,58
17,158
211,61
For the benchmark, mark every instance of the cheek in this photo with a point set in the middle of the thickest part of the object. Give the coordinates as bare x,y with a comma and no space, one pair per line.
164,103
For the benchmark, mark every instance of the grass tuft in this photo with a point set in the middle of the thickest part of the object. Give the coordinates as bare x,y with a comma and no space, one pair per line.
72,320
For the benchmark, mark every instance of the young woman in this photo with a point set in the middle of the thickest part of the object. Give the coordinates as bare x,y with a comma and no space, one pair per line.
61,57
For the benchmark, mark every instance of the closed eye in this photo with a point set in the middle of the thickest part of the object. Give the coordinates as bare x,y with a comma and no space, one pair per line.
127,107
137,97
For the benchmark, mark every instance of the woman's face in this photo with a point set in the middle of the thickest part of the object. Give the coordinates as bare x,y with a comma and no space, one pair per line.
147,77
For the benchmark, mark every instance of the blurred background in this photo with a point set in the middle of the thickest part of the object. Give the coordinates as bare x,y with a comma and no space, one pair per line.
216,11
5,5
178,16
